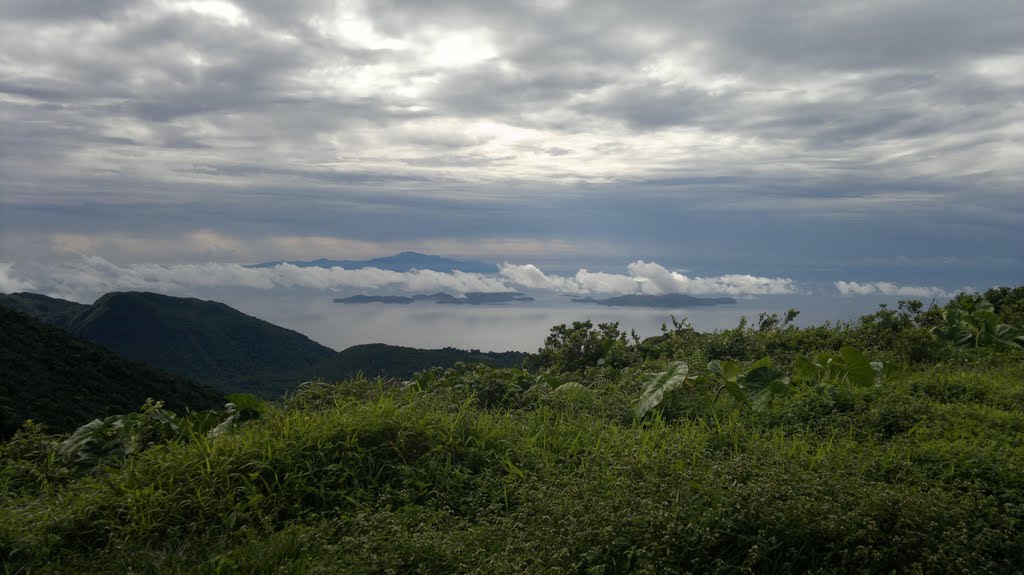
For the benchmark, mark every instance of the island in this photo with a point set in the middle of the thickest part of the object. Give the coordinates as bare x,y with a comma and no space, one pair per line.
672,300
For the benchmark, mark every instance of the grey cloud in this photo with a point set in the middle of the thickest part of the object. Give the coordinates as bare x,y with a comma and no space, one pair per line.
656,124
41,10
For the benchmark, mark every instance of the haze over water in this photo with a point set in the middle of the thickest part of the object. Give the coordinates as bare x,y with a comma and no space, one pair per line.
520,327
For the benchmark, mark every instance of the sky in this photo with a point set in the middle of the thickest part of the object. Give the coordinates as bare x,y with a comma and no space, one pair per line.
727,147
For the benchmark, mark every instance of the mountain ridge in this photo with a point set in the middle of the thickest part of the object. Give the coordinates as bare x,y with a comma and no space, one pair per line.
400,262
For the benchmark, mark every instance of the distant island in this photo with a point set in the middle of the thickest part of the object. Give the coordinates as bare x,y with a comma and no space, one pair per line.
403,262
672,300
471,298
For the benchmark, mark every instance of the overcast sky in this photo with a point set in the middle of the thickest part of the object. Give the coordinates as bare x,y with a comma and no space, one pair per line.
866,142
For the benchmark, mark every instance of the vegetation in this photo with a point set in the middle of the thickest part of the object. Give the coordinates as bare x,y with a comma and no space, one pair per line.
378,359
62,382
869,447
54,311
206,340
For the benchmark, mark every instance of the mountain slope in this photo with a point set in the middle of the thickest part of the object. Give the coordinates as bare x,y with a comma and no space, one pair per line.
206,340
54,311
54,378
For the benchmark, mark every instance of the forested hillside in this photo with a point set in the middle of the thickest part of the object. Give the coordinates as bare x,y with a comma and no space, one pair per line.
62,381
205,340
54,311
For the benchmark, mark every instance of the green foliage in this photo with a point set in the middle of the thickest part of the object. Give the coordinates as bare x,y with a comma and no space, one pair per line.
63,382
971,320
572,349
627,465
110,441
759,384
381,360
848,366
1008,303
657,384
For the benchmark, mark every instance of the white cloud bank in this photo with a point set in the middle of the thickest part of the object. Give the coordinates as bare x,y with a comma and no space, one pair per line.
646,278
890,289
92,276
9,283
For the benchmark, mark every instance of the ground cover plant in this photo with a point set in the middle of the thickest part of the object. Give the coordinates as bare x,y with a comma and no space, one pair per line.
871,447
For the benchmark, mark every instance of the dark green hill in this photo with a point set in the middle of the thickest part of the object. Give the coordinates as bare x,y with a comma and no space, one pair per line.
51,310
54,378
395,361
206,340
227,350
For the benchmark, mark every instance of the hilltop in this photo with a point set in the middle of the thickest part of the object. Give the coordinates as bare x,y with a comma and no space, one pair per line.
206,340
51,310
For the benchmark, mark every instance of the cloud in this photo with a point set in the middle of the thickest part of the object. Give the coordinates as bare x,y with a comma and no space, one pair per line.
890,289
648,278
90,276
11,284
650,125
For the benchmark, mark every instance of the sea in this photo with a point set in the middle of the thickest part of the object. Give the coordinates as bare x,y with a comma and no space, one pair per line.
511,326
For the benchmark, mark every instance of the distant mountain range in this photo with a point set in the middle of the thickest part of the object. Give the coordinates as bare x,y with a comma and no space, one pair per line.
62,381
470,298
673,300
401,262
224,348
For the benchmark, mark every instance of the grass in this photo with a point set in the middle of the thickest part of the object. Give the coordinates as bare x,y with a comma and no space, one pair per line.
924,474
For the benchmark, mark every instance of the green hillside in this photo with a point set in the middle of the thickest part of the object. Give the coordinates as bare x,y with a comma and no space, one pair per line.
54,311
205,340
61,381
890,444
378,359
226,349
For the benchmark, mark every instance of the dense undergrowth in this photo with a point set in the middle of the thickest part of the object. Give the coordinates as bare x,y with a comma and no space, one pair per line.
804,462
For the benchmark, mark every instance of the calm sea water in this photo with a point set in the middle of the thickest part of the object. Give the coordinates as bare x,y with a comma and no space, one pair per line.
521,327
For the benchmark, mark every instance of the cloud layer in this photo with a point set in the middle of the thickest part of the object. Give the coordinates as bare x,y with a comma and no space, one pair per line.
771,137
646,278
91,276
890,289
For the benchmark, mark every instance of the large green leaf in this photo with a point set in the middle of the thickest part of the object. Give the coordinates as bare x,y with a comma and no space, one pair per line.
658,384
804,371
1009,336
763,362
725,369
858,368
762,378
953,328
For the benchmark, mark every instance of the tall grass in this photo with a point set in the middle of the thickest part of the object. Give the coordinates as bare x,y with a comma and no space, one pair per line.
922,474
